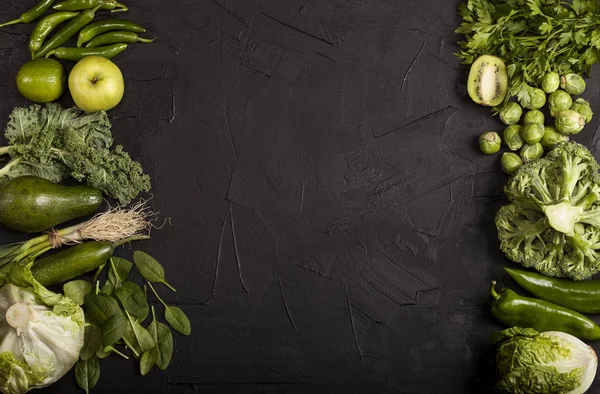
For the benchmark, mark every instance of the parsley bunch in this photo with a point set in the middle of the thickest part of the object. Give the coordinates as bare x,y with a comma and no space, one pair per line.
532,36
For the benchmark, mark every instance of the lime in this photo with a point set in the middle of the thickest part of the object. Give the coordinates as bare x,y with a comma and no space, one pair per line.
41,80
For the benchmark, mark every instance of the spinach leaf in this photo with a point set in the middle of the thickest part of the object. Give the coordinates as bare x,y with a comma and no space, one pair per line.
164,342
77,290
103,353
165,346
148,360
174,315
150,269
133,299
87,373
137,337
100,308
118,272
178,320
113,330
92,341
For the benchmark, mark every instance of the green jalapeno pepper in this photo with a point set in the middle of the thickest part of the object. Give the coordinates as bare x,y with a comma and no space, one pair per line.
583,296
512,309
116,37
66,32
31,14
94,29
45,27
76,54
80,5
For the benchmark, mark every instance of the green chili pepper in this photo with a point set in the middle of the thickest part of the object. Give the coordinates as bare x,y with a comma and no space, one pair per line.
80,5
76,54
45,27
66,32
94,29
581,296
31,14
512,309
116,37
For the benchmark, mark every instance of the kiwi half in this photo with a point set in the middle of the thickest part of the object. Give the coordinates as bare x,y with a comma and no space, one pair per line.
488,81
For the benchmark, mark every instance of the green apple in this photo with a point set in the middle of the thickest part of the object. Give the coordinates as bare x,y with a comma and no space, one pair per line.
96,84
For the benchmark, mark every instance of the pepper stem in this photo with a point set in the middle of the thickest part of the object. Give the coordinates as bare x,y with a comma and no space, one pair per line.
122,8
146,40
495,295
97,8
11,23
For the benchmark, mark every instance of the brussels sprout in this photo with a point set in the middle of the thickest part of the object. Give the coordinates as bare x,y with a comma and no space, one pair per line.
534,116
584,108
489,142
559,100
550,82
572,83
510,162
532,133
511,113
569,122
531,152
512,137
534,99
552,138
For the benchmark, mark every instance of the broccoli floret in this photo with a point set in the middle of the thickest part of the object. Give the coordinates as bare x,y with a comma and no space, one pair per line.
553,220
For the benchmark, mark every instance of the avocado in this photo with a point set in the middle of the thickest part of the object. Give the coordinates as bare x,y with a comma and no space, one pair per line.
31,204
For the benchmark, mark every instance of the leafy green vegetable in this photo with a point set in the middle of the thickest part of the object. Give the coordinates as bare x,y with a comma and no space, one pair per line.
148,360
533,37
133,299
553,220
150,269
118,272
174,316
92,341
87,373
164,342
77,290
113,330
54,143
550,362
100,308
42,332
138,337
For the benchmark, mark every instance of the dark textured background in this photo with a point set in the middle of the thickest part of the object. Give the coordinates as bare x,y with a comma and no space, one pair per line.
332,219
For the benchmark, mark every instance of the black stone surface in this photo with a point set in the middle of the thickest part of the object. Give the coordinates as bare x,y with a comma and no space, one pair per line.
331,217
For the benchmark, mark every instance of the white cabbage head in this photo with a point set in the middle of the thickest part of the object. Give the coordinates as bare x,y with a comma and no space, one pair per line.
41,333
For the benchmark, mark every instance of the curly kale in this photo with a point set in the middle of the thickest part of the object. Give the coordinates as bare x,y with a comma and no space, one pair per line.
56,143
553,220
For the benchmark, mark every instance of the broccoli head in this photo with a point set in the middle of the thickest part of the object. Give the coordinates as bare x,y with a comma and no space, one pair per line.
553,220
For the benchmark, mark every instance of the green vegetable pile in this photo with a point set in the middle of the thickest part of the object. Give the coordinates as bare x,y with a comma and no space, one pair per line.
534,37
55,143
106,38
104,311
115,312
528,58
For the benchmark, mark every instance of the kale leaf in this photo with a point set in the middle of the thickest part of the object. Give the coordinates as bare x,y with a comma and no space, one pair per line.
56,143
